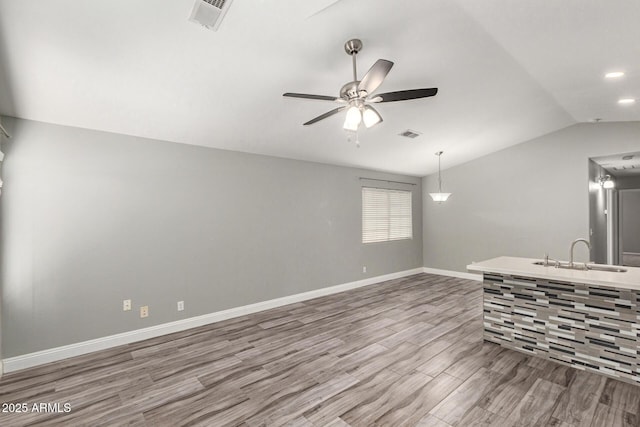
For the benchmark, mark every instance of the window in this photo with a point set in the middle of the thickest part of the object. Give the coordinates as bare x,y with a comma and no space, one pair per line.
386,215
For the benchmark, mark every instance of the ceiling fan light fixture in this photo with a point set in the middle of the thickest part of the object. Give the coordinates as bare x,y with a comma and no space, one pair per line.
353,120
370,116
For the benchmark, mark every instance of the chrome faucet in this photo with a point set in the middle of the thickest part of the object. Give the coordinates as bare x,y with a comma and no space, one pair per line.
571,251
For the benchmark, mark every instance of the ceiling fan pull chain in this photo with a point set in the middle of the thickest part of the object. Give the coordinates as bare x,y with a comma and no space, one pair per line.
353,137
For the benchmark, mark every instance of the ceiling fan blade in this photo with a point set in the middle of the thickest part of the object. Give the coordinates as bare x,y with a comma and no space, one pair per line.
404,95
307,96
325,115
375,75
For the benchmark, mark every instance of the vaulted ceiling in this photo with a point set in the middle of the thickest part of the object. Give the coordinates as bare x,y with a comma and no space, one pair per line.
507,71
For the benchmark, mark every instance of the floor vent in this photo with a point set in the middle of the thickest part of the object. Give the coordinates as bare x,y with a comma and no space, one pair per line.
410,134
209,13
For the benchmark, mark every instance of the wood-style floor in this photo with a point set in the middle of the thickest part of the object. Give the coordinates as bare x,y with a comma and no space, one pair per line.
403,352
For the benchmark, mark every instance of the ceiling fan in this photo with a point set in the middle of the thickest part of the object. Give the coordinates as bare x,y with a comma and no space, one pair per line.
357,95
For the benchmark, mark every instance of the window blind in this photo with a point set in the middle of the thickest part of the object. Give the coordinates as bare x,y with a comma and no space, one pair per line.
386,215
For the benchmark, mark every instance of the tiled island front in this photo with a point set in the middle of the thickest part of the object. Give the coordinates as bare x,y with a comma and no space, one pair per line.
586,319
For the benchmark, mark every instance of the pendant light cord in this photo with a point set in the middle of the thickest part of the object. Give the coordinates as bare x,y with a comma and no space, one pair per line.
439,173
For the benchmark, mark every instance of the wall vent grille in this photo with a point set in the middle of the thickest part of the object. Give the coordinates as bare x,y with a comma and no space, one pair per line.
216,3
410,134
209,13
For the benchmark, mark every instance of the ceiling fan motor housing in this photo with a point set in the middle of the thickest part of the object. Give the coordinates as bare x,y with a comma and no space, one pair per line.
350,91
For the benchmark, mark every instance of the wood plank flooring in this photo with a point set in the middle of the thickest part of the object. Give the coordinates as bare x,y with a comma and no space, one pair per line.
407,352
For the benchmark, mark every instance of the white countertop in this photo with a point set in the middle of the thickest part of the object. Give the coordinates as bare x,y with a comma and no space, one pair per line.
525,267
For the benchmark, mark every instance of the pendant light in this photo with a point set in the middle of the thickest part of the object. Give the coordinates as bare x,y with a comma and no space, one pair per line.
439,196
606,182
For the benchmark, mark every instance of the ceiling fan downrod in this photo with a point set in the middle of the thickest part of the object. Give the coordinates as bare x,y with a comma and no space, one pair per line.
352,47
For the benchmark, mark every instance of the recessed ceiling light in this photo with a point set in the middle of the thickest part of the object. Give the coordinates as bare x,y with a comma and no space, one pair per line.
614,75
626,101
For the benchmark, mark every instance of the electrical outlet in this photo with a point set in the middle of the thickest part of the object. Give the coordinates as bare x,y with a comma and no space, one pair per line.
180,305
364,268
144,311
126,305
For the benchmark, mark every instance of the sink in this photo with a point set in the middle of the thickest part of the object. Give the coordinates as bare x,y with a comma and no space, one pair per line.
604,267
581,266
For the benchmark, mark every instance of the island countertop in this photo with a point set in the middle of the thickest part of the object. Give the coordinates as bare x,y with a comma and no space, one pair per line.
525,267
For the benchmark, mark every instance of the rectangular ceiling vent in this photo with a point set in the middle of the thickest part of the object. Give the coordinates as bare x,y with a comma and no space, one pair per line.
410,134
209,13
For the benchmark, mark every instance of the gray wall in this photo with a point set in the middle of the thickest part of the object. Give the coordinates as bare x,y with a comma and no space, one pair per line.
630,220
525,200
90,218
2,145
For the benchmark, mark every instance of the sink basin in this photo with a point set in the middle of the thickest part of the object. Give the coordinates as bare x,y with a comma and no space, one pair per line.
603,267
581,266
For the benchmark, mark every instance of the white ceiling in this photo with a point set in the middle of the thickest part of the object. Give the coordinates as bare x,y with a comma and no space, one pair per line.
507,71
620,165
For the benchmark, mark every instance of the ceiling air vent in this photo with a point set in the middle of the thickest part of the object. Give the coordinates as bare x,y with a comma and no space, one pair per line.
410,134
209,13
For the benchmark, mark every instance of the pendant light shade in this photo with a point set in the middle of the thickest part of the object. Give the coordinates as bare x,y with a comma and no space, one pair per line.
606,182
439,196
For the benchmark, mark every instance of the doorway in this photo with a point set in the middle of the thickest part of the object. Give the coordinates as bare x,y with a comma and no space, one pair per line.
614,209
629,227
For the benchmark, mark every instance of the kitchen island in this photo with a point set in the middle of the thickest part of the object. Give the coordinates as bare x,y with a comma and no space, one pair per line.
583,318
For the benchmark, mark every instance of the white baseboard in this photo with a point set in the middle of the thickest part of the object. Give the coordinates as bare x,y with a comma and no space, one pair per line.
450,273
16,363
